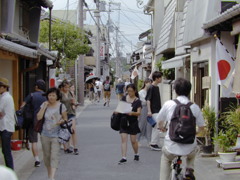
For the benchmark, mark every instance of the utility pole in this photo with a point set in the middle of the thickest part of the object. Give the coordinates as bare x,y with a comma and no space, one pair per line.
80,73
117,43
97,15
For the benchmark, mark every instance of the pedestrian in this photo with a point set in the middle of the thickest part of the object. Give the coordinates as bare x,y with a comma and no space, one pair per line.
130,127
154,105
98,85
107,91
127,82
7,121
51,109
72,93
69,101
145,127
172,149
120,89
91,92
35,99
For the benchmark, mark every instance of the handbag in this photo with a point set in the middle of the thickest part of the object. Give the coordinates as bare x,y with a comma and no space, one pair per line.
18,120
115,121
65,132
39,125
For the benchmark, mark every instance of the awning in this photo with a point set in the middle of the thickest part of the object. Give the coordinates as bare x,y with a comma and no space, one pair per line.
18,49
174,62
137,62
46,53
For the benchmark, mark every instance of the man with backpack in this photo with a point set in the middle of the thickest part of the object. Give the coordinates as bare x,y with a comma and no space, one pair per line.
35,100
179,118
107,91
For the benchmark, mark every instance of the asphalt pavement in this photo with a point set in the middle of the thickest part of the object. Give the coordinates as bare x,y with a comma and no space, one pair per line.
99,152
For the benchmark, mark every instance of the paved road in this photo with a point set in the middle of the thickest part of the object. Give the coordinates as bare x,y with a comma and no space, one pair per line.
100,152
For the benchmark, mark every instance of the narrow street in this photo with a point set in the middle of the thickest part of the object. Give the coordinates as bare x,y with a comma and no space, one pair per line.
100,152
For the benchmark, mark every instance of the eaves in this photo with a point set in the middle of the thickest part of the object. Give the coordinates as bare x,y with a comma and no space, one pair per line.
223,22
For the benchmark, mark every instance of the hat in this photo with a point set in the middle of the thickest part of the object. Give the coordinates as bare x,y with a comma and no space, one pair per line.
41,84
4,82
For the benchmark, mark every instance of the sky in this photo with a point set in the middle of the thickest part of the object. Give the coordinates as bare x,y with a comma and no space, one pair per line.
132,20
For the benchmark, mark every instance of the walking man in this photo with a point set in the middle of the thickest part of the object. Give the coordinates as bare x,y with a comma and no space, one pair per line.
154,105
35,99
7,121
171,148
120,89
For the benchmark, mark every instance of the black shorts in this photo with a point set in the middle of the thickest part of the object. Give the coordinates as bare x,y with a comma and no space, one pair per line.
132,127
32,135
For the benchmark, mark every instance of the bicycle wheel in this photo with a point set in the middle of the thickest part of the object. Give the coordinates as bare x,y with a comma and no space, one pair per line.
173,175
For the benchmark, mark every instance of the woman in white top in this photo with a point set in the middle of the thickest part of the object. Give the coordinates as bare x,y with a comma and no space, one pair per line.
55,113
144,126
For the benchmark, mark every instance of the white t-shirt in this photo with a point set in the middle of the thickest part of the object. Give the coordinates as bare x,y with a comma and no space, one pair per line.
7,122
165,114
99,85
142,95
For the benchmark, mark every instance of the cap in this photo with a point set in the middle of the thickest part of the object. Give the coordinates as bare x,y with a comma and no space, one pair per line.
41,84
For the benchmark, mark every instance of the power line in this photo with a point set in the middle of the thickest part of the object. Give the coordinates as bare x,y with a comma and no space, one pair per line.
132,11
131,21
86,5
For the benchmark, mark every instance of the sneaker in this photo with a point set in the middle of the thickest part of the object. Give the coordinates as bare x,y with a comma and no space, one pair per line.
37,164
75,151
189,174
105,104
155,147
122,161
136,158
68,151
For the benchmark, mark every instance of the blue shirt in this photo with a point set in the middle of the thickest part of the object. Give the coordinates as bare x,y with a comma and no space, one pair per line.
36,98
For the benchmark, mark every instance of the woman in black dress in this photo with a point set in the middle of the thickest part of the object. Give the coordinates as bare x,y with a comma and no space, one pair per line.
129,123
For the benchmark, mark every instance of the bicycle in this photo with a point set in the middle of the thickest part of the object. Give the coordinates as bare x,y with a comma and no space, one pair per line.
177,173
177,169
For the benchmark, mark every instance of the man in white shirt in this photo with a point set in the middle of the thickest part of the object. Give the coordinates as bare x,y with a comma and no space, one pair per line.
171,149
7,121
98,85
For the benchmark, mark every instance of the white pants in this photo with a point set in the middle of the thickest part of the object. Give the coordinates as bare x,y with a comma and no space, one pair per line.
155,132
166,161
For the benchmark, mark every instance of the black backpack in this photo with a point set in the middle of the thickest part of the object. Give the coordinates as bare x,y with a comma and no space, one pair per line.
182,127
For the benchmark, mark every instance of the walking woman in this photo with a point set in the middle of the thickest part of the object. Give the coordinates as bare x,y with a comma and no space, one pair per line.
131,127
51,109
69,101
145,127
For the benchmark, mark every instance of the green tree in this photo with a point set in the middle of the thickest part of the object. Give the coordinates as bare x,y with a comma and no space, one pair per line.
167,73
67,39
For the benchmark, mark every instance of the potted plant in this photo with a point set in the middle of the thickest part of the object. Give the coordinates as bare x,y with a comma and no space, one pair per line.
227,136
209,116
